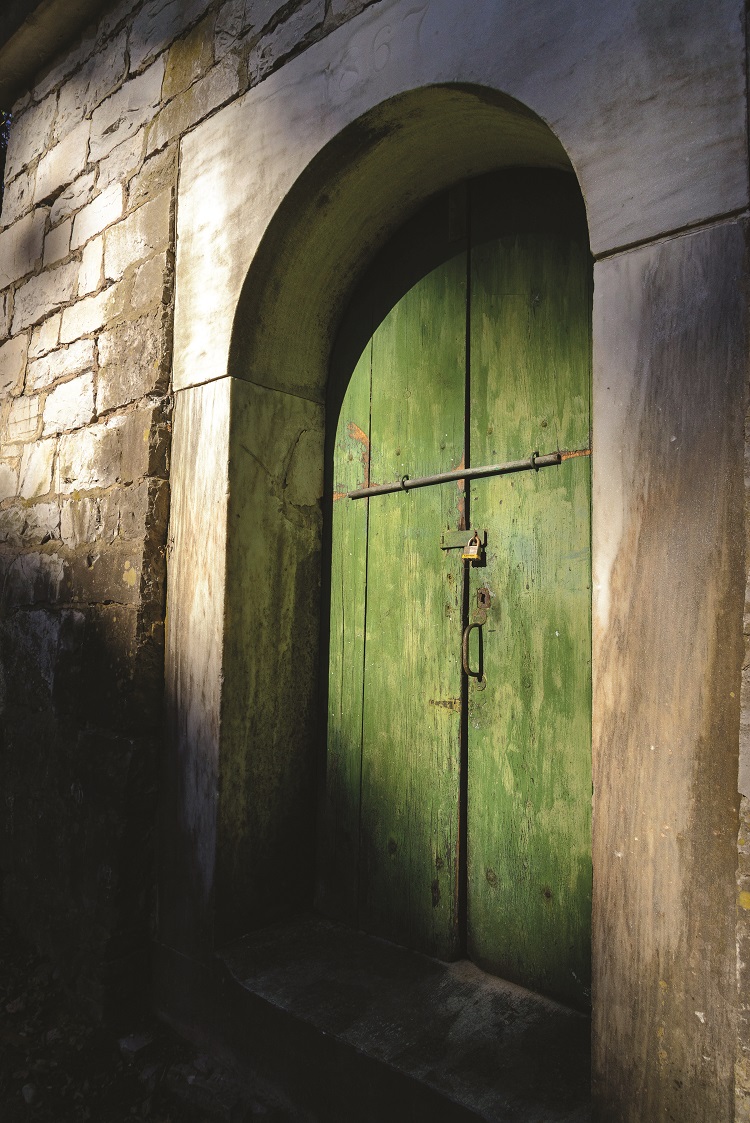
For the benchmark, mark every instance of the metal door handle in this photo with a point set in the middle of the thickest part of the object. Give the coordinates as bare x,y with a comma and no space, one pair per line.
465,651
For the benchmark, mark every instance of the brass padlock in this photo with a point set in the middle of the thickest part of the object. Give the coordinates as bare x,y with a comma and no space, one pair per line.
473,549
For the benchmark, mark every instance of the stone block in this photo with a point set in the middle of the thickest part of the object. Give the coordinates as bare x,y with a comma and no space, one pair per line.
90,458
21,103
103,575
65,63
91,83
123,685
125,111
112,17
21,247
23,419
137,237
237,17
160,441
62,363
158,24
98,215
30,135
6,313
144,509
8,485
71,101
88,315
218,86
36,469
11,525
79,521
344,9
41,523
33,578
229,27
18,198
158,173
73,198
43,643
90,519
117,451
45,337
44,294
151,285
119,513
273,47
13,355
154,568
69,405
92,260
123,161
63,163
132,362
57,243
189,58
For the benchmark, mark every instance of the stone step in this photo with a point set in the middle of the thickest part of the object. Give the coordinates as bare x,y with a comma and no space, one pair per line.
353,1028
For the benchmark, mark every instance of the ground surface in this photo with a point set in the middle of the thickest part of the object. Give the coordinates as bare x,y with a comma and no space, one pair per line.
462,1044
56,1067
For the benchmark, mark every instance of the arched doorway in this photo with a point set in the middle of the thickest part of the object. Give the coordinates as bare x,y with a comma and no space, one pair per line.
457,816
334,219
251,735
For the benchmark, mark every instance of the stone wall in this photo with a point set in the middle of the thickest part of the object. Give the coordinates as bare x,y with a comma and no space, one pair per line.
86,294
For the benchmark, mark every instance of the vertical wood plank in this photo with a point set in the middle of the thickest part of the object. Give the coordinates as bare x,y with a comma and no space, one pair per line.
411,750
529,753
339,864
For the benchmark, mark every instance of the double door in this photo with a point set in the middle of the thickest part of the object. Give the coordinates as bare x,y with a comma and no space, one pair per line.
457,811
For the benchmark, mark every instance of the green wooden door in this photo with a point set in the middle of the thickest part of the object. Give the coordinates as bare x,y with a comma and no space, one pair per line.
457,813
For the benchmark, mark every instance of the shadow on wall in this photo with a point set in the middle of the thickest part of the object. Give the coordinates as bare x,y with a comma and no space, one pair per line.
81,711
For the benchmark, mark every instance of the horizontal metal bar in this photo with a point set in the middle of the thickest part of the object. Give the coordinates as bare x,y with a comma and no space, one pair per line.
533,463
457,539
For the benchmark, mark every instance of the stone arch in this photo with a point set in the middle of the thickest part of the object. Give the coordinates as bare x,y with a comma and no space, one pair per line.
356,192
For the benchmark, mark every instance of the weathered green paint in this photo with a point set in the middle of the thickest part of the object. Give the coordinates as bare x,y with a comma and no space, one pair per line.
529,746
337,894
395,757
411,739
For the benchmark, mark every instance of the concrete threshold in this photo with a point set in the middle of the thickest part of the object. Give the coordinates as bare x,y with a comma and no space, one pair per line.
358,1029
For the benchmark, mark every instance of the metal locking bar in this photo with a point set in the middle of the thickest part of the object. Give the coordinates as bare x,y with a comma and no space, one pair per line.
533,463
